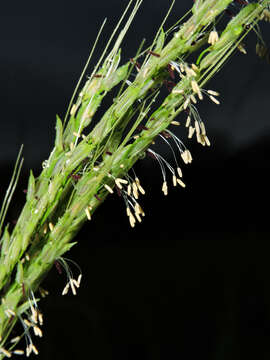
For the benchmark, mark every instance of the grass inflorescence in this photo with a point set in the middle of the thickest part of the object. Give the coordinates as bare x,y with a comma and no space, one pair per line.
93,159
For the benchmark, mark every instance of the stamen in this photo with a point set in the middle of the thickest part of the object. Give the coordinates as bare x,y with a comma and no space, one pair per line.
66,288
108,188
181,183
51,227
15,339
5,352
165,188
179,171
188,121
213,37
191,132
18,352
119,182
214,100
212,92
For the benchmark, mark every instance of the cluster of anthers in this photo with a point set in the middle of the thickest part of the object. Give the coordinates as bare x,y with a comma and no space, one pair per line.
33,320
72,283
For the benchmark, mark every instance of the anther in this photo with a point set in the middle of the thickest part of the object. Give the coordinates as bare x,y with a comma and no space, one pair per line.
108,188
181,183
51,227
119,182
214,100
179,171
18,352
165,188
5,352
191,132
213,37
87,213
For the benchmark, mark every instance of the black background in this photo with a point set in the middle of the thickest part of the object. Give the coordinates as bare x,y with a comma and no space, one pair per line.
193,279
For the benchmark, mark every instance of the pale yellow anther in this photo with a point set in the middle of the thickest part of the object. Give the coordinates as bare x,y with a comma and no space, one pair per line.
76,134
79,279
193,99
191,131
73,289
29,349
45,229
213,37
184,156
141,189
181,183
176,123
18,352
119,182
189,156
197,127
37,331
51,226
15,339
212,92
135,190
199,139
108,188
27,257
138,217
203,128
194,67
195,86
186,103
165,188
5,352
214,100
188,121
87,213
35,351
40,318
27,323
182,68
73,109
177,91
34,315
75,283
65,290
132,219
179,171
174,180
122,166
207,141
129,190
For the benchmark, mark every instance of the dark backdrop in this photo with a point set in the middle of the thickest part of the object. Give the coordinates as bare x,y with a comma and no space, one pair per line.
193,279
